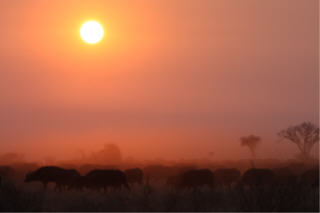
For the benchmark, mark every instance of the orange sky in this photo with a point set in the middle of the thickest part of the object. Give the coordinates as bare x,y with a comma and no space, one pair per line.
171,79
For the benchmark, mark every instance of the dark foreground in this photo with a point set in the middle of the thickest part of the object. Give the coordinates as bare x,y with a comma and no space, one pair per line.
158,197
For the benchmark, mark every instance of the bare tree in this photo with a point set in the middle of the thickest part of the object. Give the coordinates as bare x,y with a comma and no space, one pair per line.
304,135
251,142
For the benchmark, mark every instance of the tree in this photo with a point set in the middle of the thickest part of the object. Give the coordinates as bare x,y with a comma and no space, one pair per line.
110,154
11,157
251,142
304,135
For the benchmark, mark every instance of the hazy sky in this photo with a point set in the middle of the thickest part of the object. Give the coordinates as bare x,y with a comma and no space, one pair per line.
171,79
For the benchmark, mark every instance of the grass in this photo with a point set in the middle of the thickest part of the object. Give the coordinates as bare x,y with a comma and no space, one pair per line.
158,197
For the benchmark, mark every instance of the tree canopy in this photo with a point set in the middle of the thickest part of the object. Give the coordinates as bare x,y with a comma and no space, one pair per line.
304,135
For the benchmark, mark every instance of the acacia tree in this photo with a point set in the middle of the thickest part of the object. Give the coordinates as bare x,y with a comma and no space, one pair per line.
251,142
304,135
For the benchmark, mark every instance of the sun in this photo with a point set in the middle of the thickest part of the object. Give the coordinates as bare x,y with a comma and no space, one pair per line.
91,32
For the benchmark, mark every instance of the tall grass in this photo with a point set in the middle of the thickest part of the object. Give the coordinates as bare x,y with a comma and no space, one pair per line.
158,197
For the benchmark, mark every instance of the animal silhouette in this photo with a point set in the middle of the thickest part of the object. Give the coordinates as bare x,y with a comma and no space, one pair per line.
61,177
258,177
192,179
158,172
134,175
79,183
285,177
103,179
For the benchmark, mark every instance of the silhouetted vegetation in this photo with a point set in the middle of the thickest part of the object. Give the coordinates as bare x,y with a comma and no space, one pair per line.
252,143
103,181
304,135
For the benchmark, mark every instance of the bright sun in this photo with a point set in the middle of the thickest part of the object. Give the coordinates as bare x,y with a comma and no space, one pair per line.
91,32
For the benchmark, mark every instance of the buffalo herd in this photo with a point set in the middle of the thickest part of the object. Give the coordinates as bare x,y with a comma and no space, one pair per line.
71,179
102,179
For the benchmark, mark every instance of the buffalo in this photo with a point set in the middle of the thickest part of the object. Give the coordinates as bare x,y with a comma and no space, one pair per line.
61,177
102,179
86,168
70,175
257,177
226,176
134,175
158,172
79,183
285,176
192,179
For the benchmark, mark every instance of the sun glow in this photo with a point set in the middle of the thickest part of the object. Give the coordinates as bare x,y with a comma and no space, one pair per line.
91,32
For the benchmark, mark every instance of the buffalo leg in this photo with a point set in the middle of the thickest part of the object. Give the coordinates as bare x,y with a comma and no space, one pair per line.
45,185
